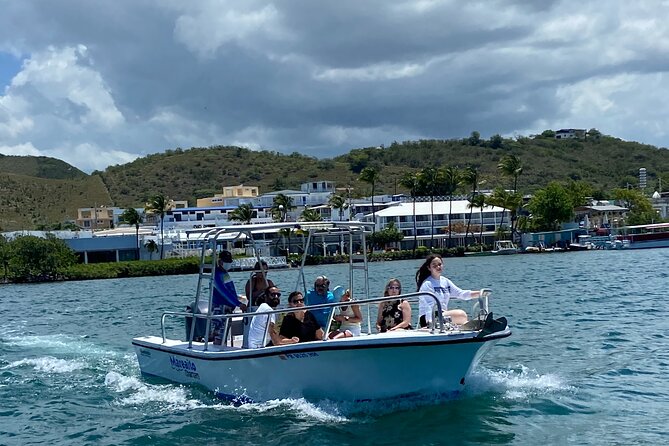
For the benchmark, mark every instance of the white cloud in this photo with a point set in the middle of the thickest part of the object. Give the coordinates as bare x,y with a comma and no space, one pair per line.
206,26
25,149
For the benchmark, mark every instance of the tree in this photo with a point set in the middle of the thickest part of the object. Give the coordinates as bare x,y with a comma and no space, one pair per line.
474,139
496,142
451,181
550,206
338,202
507,200
159,205
470,177
370,175
310,215
412,183
34,258
641,209
5,255
281,205
511,166
428,180
132,217
478,201
389,234
243,213
152,247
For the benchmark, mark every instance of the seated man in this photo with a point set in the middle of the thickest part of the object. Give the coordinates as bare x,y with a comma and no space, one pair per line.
262,327
321,294
300,324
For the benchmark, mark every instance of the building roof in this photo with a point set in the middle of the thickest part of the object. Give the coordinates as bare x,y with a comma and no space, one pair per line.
440,207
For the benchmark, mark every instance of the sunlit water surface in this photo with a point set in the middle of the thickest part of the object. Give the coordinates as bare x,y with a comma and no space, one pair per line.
587,363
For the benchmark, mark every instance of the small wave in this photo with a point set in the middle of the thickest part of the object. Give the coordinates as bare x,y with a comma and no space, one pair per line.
59,343
324,411
174,397
49,364
517,384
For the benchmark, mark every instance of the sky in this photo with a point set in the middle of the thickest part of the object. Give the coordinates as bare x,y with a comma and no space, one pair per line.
98,83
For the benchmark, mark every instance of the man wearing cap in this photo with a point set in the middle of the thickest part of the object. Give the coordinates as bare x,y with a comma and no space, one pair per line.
321,294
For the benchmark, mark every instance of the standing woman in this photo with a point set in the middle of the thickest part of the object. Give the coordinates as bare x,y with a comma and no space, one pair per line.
429,278
393,314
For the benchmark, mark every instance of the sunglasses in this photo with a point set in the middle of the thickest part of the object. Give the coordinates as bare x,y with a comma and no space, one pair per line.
297,301
394,287
275,294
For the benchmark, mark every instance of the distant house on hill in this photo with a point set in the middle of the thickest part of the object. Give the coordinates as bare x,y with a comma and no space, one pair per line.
570,134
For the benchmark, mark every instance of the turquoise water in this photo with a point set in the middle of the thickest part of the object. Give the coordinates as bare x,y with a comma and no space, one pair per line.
587,363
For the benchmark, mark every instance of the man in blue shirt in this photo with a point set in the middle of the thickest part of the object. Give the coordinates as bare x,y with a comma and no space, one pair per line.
321,294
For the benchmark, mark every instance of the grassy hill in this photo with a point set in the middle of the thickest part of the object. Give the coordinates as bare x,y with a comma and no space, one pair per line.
40,190
40,167
27,202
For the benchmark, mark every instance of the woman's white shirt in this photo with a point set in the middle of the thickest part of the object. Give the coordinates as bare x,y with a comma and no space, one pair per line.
444,289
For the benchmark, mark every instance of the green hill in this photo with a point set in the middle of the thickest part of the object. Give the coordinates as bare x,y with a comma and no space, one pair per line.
28,202
40,190
40,167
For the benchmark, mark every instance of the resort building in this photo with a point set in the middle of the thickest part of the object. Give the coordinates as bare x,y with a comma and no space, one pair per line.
437,215
230,196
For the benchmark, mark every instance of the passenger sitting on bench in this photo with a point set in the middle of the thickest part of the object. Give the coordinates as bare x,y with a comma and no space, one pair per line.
300,324
263,327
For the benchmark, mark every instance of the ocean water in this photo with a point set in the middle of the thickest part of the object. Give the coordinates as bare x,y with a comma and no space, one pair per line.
587,363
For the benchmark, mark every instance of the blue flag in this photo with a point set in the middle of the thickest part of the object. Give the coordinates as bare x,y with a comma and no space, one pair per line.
224,290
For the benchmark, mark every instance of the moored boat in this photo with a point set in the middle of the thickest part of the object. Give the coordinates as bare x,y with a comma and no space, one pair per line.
643,236
504,247
393,364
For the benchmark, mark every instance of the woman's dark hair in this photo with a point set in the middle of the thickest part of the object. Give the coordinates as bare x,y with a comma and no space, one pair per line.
293,294
424,270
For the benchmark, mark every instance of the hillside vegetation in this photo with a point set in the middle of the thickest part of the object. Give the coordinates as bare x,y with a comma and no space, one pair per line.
39,190
28,202
40,167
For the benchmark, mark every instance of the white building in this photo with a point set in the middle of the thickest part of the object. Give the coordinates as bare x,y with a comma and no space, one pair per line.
402,215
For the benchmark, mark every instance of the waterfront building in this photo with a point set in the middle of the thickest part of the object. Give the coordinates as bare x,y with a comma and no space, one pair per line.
401,213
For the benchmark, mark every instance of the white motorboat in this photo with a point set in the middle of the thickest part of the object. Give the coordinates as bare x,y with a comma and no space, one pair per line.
503,247
434,361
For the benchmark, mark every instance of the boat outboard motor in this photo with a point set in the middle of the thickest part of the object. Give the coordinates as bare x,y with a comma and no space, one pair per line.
200,324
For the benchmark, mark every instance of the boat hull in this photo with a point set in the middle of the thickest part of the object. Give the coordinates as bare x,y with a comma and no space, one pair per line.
353,369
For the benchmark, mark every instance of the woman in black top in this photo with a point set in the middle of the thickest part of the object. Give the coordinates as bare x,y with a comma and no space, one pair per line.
393,314
300,323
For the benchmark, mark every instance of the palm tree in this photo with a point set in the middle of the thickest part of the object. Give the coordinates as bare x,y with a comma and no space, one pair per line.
159,205
285,234
412,182
338,202
429,179
506,200
451,181
470,177
133,217
511,166
478,201
243,213
281,205
310,215
152,247
370,175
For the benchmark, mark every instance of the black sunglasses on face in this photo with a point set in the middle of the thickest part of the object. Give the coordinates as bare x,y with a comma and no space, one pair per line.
298,301
275,294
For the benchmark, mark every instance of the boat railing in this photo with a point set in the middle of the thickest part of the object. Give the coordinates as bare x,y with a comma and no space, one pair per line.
480,310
